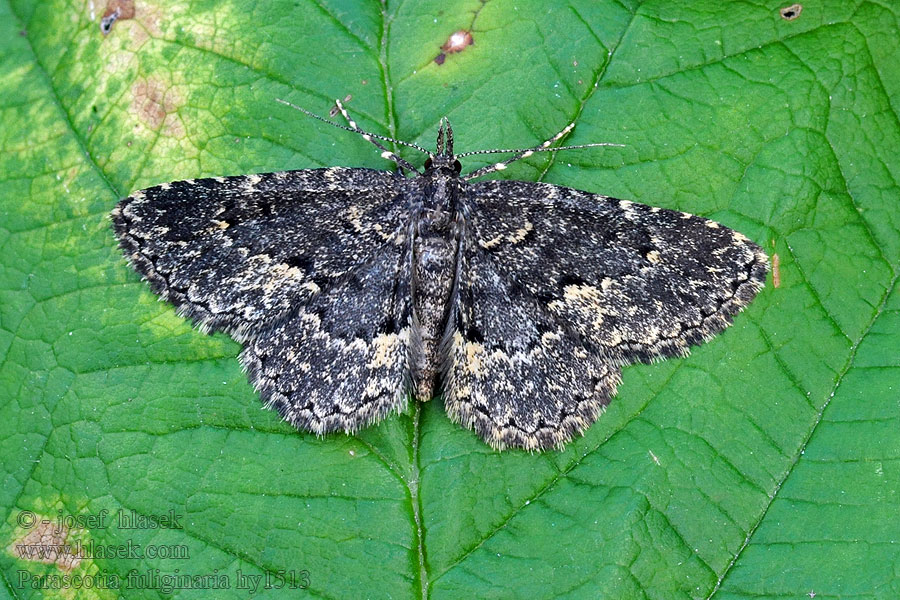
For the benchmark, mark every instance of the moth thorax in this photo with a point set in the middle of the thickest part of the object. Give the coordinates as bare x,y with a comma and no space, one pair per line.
436,221
442,191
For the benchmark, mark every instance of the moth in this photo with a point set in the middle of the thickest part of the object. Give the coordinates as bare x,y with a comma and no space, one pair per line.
353,289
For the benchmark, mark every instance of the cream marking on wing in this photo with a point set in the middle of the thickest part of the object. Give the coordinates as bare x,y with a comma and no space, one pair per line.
354,214
385,347
521,233
491,243
474,353
249,184
585,298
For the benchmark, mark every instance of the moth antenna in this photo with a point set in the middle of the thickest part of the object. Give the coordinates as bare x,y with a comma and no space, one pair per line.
521,153
369,137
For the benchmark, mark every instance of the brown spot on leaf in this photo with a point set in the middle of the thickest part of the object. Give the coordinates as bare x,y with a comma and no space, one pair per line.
157,105
789,13
457,42
45,543
116,10
150,16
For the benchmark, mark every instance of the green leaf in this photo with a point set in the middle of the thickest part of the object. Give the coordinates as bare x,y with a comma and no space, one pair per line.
765,465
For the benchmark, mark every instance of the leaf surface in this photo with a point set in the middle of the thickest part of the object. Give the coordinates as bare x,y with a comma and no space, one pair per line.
765,465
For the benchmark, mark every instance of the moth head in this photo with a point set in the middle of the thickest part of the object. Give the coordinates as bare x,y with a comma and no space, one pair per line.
440,162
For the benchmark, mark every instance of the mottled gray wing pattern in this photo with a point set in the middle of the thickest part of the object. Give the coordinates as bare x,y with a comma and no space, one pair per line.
514,374
340,361
236,253
637,281
558,288
309,269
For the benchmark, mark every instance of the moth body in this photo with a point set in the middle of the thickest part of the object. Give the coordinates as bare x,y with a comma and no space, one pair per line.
435,248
